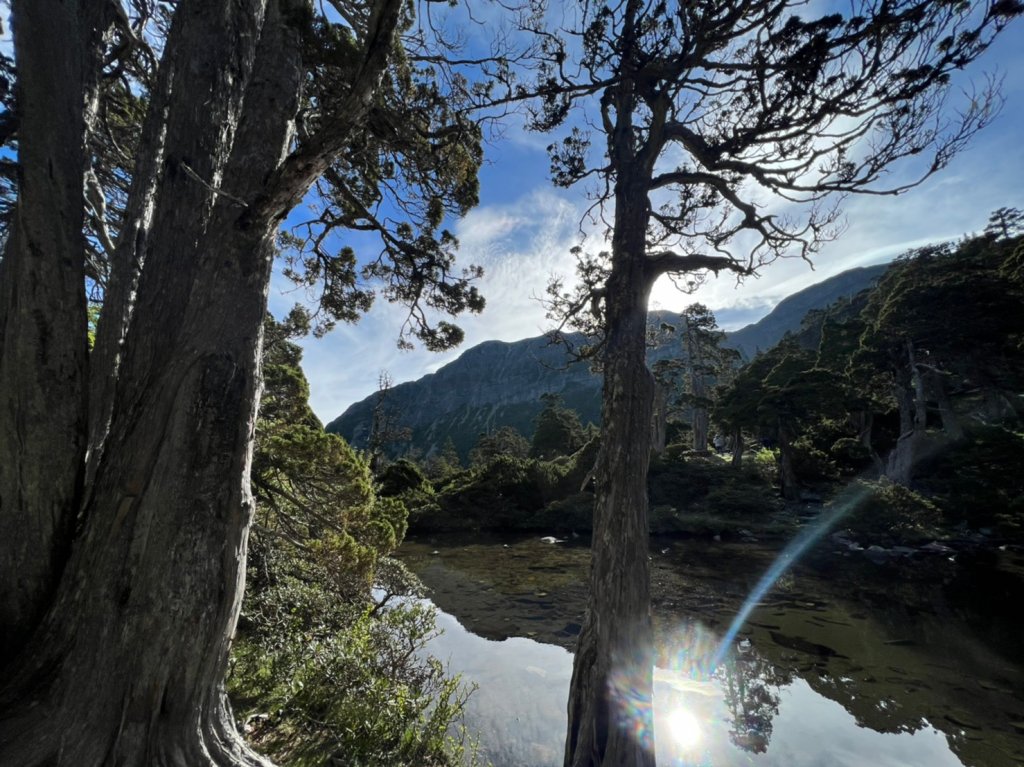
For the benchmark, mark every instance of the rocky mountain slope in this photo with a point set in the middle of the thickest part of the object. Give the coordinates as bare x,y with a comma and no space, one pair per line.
789,312
497,383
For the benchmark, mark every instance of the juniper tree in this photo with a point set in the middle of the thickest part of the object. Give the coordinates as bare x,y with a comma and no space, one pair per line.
721,135
194,127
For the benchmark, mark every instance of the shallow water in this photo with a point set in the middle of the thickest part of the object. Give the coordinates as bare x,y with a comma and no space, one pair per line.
845,662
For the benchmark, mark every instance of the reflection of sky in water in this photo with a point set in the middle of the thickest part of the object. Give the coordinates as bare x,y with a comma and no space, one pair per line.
519,712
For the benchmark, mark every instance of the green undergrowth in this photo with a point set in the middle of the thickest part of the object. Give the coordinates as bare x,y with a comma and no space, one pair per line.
689,494
317,681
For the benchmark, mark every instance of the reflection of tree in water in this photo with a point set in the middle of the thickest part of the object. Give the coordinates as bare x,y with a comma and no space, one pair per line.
751,685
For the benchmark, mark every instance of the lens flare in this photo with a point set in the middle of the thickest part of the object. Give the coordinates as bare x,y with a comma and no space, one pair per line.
688,651
842,506
626,686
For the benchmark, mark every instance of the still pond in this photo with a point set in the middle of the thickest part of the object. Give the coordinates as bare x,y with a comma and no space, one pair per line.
907,661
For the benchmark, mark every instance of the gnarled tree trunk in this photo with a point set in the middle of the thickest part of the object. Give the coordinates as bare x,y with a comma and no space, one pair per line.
787,473
909,391
900,462
126,665
950,421
659,420
43,354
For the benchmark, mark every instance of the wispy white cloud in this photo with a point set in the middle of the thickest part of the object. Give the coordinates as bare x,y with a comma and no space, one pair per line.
519,245
524,230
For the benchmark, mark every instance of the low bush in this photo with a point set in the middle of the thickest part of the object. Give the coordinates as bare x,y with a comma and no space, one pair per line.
973,484
318,681
887,513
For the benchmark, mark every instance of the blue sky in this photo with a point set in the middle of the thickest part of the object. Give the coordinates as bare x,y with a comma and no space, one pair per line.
523,229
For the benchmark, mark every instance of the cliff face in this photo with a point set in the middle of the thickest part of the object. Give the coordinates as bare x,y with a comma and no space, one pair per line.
498,384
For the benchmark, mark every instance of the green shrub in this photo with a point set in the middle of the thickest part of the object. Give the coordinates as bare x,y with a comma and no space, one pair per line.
574,513
977,481
675,452
889,513
548,476
811,464
850,455
741,499
320,682
401,476
766,461
498,495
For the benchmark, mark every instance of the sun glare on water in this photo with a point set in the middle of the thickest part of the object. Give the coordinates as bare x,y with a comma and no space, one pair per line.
684,728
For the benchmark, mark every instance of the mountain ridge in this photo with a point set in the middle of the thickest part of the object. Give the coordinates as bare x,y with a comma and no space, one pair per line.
499,383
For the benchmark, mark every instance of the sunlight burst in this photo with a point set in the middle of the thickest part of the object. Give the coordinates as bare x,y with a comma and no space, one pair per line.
685,728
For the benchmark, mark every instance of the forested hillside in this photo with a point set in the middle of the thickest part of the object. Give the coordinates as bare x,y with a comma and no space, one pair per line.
910,391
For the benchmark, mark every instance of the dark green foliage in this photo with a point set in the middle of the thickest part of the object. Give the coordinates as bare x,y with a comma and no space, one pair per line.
574,513
499,495
933,346
709,485
400,476
325,675
1005,223
443,464
558,431
705,496
505,441
504,493
740,496
812,464
979,481
956,306
315,495
323,682
695,375
887,513
820,406
416,156
777,398
405,481
850,456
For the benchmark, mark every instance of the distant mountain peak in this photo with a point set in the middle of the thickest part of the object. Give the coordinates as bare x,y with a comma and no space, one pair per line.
499,383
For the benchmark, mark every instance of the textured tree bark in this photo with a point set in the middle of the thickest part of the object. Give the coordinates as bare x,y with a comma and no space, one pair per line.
126,265
920,400
610,699
900,461
699,414
42,319
659,421
737,448
701,426
126,666
787,474
950,421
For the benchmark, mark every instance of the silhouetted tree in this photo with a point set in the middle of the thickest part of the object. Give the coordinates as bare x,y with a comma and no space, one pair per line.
704,110
693,378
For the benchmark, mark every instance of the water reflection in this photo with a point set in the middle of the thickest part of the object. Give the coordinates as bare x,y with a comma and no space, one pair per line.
835,667
752,694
